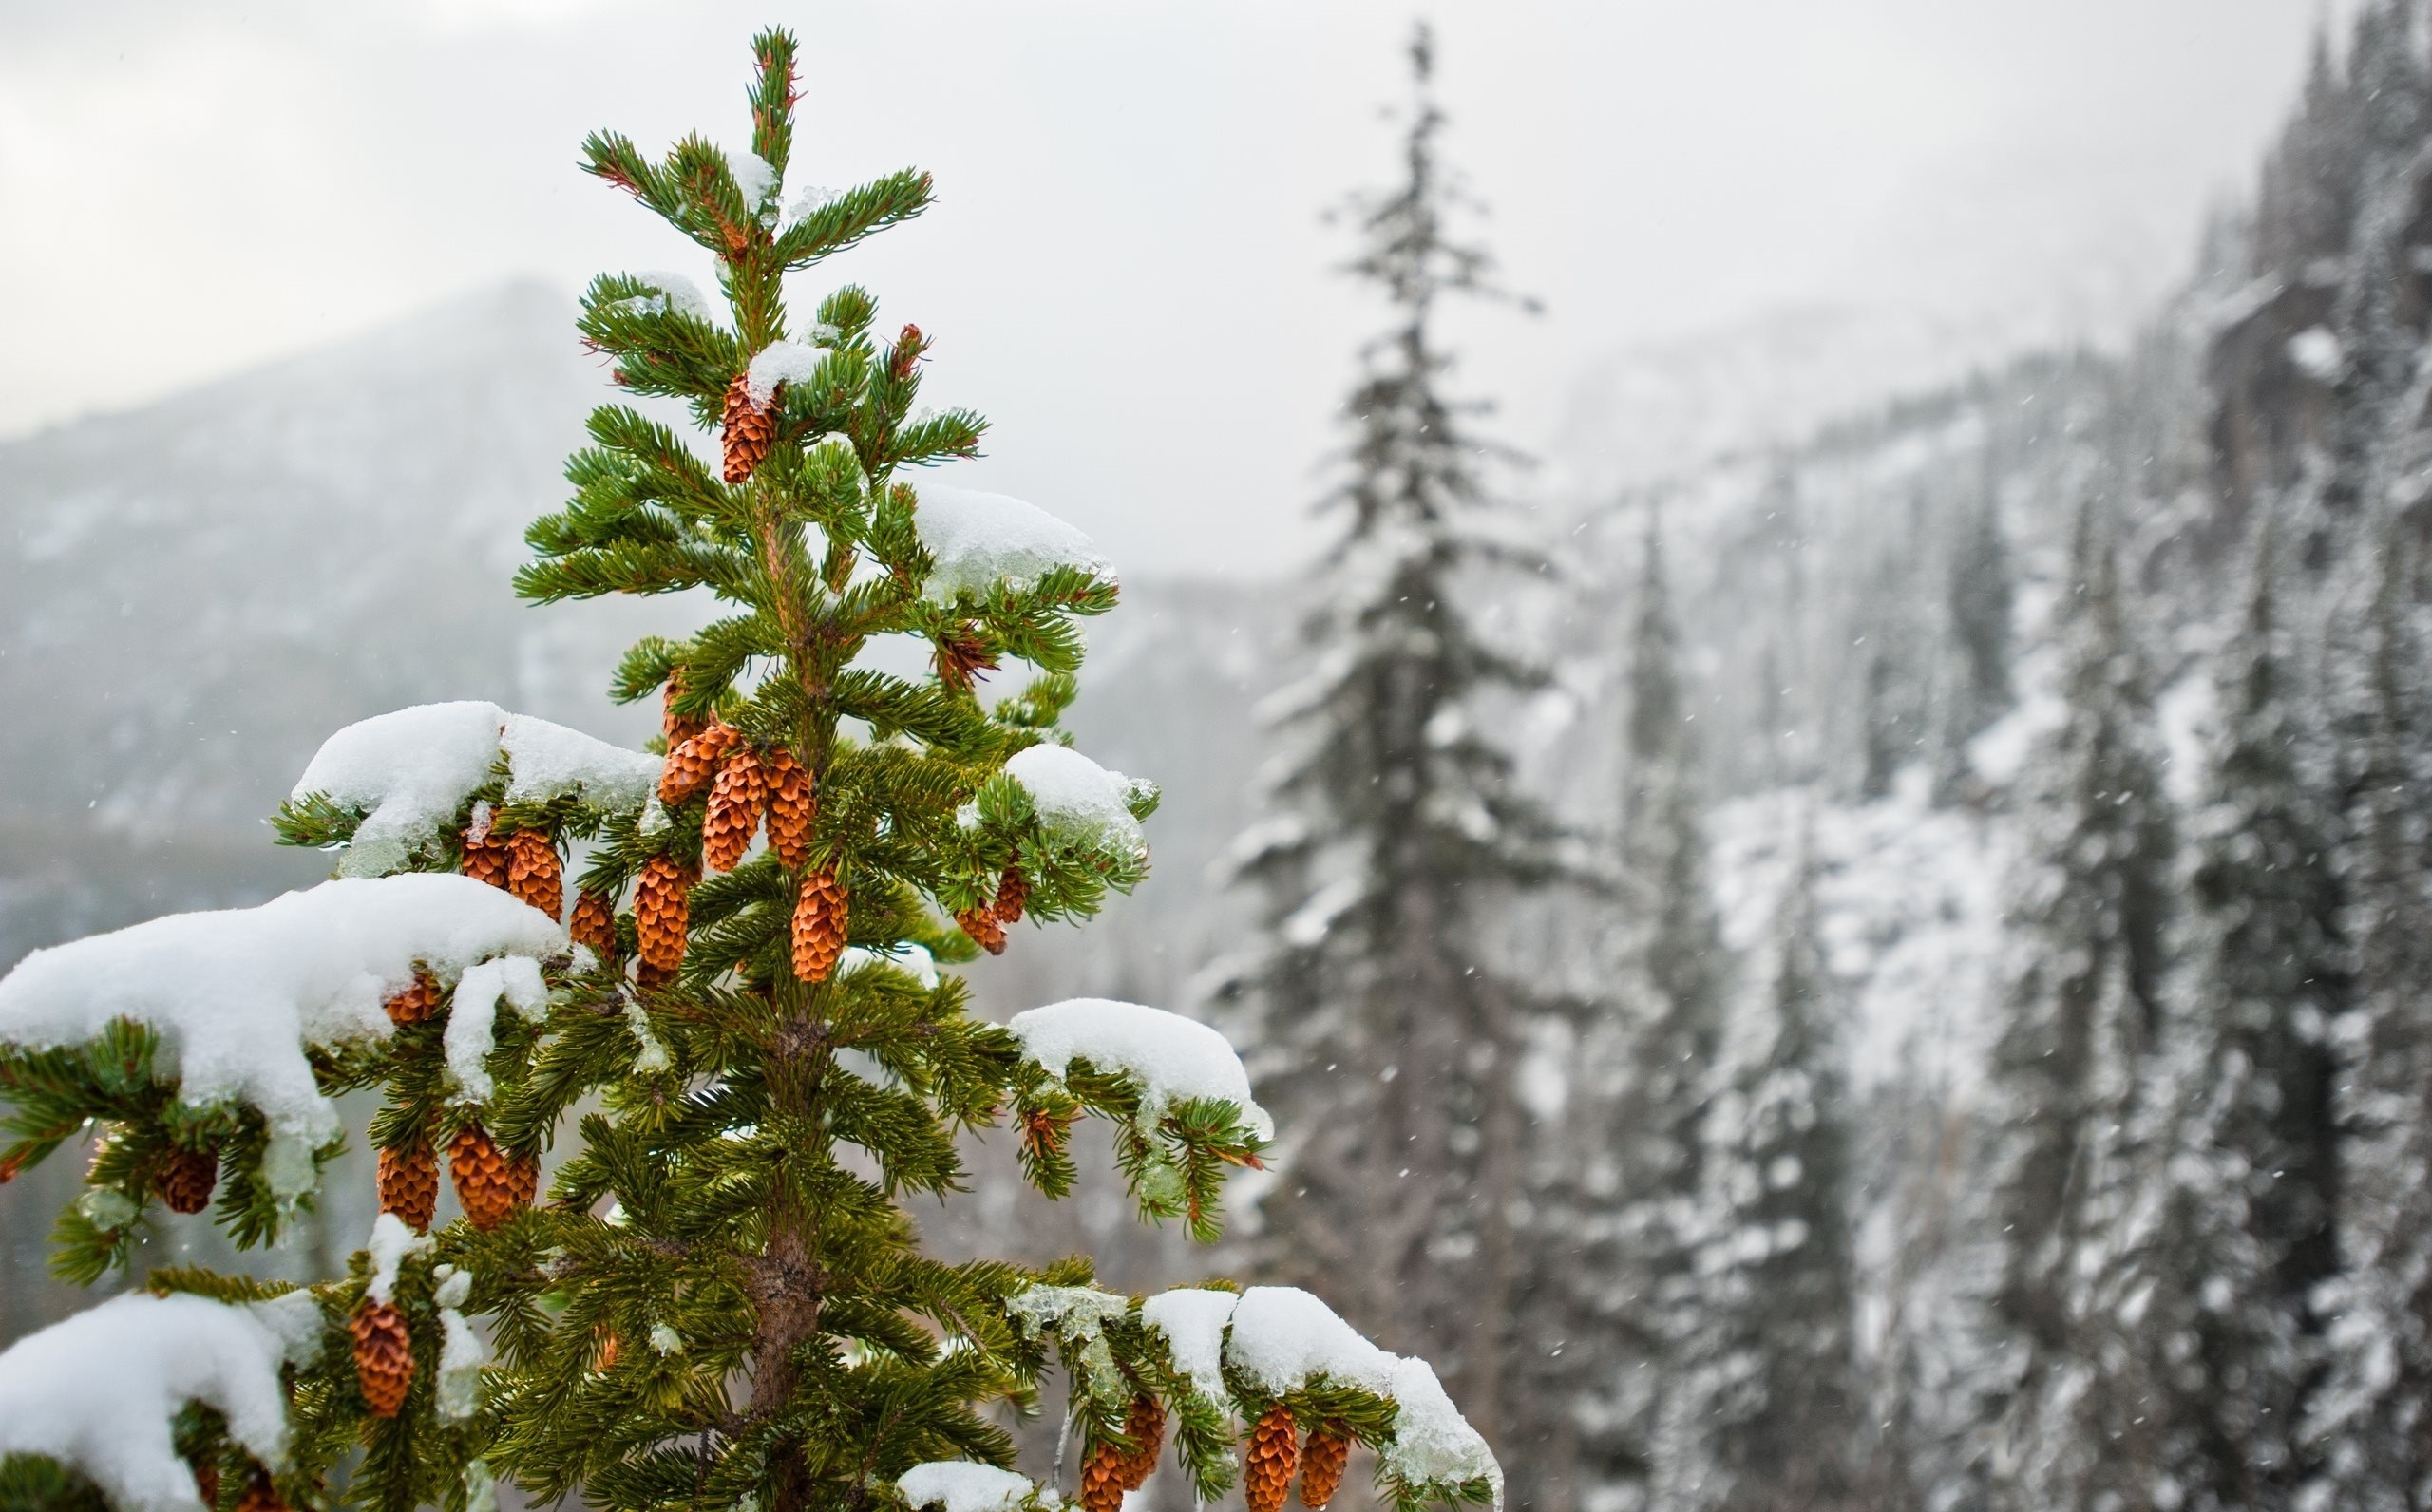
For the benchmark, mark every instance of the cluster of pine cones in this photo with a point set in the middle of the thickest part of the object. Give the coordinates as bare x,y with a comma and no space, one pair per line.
1273,1454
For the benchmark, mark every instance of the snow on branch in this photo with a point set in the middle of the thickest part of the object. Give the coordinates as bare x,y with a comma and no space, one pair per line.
1172,1058
1078,802
237,997
410,772
981,540
97,1393
963,1485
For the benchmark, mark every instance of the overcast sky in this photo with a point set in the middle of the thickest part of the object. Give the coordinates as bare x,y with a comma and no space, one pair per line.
1126,269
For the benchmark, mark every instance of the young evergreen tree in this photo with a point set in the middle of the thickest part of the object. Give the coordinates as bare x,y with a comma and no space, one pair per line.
1394,1033
1764,1409
722,1302
2091,921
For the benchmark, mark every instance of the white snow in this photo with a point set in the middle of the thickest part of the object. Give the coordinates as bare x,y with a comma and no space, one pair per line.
754,176
665,1340
2317,353
295,1319
1192,1319
472,1019
791,361
235,995
913,958
547,760
389,1245
1172,1058
982,539
450,1286
963,1485
678,294
97,1391
1079,802
650,1055
1075,1311
462,1355
1432,1441
1283,1337
409,771
809,197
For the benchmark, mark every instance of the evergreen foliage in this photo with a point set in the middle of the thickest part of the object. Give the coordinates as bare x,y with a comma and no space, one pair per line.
722,1301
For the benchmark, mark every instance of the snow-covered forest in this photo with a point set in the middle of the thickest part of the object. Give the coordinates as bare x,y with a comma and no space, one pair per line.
1888,970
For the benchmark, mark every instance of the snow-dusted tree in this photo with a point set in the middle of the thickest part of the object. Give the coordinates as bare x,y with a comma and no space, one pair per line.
1389,1031
1762,1407
2090,922
723,1303
2370,1426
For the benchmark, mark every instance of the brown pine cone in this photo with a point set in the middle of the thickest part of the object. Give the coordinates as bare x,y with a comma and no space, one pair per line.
384,1356
673,726
1013,896
1322,1461
980,924
595,923
486,860
737,799
186,1179
819,926
1267,1464
1145,1427
1102,1479
651,978
414,1004
750,430
410,1185
260,1495
661,905
791,807
206,1480
690,767
489,1186
534,873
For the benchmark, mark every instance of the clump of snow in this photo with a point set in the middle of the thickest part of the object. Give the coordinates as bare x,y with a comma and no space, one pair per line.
2317,353
473,1018
1282,1338
665,1340
1432,1441
295,1319
1075,1311
980,540
1192,1319
791,361
808,199
408,772
237,996
97,1393
462,1355
678,294
964,1485
391,1243
547,760
1078,802
450,1286
1172,1058
651,1056
913,958
753,177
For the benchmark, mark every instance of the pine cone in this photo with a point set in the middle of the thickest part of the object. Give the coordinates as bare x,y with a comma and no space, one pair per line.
486,860
595,923
1274,1452
651,978
791,807
1145,1427
819,926
260,1495
489,1186
980,924
1323,1461
673,726
1013,896
384,1356
1102,1479
415,1002
749,430
186,1179
735,803
661,905
534,874
692,765
206,1480
410,1185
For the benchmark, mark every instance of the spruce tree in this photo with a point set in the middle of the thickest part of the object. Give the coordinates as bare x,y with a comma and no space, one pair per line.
743,1054
1764,1407
1393,1033
2091,920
